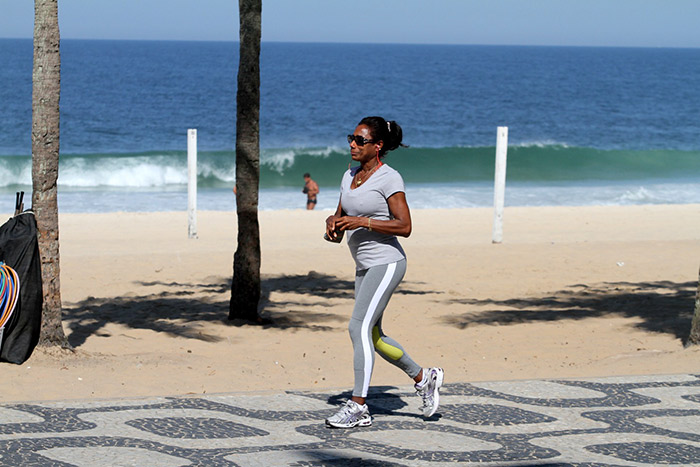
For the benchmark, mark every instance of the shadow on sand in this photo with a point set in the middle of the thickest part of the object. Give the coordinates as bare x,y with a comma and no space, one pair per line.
663,306
287,302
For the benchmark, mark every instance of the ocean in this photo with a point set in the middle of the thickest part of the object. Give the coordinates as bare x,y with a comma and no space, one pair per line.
587,125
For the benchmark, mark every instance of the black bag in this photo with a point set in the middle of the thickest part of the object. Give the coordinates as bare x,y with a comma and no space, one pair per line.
19,249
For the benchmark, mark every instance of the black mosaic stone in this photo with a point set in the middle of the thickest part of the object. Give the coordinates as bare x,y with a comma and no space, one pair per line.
492,415
512,447
55,421
650,453
614,395
195,428
692,398
272,415
628,421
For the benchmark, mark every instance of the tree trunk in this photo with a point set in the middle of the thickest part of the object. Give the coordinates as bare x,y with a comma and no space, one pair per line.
245,287
46,90
694,337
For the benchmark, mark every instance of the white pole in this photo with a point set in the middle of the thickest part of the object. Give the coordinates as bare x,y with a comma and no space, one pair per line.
499,186
192,183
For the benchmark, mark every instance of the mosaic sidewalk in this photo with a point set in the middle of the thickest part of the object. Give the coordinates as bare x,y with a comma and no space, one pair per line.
649,420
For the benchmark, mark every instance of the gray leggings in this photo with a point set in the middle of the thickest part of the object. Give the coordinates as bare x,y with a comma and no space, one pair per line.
373,289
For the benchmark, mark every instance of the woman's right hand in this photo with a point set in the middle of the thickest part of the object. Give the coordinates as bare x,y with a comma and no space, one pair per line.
333,234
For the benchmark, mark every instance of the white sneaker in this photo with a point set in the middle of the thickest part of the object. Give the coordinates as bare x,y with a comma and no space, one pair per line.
429,390
350,415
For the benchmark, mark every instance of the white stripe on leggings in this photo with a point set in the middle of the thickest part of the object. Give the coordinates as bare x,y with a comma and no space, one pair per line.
367,346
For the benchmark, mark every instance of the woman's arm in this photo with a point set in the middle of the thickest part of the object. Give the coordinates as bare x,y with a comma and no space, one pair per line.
400,224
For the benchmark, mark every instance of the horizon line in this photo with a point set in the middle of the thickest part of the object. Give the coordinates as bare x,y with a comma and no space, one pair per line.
375,43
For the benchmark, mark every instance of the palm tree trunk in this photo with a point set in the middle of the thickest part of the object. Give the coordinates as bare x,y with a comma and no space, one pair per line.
694,337
46,90
245,287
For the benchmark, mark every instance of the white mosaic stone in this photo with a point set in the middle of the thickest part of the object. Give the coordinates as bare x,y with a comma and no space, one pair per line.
643,379
273,402
113,456
541,389
565,419
425,440
17,416
100,403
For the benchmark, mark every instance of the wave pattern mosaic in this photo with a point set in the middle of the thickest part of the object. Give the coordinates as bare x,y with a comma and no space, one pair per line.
641,420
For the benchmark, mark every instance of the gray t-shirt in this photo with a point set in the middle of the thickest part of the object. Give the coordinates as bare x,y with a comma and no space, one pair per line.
370,200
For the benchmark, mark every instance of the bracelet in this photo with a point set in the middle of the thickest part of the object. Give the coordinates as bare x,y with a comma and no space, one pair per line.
369,223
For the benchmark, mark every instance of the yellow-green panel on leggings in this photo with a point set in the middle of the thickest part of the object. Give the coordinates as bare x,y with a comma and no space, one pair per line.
390,351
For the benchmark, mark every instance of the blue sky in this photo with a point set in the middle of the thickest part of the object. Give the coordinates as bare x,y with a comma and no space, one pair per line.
645,23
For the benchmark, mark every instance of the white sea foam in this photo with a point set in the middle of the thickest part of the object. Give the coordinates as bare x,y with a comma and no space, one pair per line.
136,172
666,193
209,169
640,194
15,176
541,144
325,152
281,160
278,160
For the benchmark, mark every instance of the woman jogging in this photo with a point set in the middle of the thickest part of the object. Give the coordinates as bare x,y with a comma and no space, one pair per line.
373,212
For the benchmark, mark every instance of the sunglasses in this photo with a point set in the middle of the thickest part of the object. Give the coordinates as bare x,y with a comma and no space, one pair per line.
359,140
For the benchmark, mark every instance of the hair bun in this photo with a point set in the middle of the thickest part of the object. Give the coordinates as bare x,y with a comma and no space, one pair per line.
386,130
394,135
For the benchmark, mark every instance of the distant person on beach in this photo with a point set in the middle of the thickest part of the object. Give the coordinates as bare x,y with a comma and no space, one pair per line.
311,190
373,211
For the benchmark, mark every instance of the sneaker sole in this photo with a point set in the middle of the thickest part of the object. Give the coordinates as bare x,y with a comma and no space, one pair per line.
438,385
362,423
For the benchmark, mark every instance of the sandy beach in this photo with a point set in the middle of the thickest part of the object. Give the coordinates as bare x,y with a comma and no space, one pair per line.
571,292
